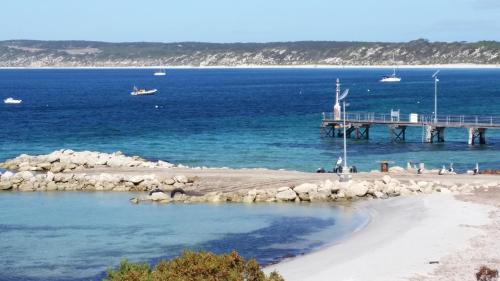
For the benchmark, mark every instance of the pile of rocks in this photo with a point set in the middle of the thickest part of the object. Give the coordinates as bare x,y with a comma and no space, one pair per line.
68,160
30,181
328,190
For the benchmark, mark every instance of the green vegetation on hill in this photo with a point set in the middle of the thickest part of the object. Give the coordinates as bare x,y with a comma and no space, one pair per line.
30,53
194,266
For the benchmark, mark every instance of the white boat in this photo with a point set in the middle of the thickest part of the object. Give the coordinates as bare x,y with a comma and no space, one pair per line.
143,92
393,77
160,72
12,101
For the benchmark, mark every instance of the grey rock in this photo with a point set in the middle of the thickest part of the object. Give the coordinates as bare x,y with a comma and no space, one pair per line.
386,179
158,196
286,195
181,179
6,185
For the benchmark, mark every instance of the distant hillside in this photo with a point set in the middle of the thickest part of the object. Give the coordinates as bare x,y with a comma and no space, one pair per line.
28,53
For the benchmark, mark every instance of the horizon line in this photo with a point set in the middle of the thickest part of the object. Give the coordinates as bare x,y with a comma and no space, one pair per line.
247,42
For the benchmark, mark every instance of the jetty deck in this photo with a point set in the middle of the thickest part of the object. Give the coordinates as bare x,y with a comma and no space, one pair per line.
358,125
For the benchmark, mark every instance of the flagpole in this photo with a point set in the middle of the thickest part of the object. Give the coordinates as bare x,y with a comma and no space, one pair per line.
436,80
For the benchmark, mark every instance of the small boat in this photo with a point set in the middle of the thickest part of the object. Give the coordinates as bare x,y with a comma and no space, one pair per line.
12,101
160,72
393,77
143,92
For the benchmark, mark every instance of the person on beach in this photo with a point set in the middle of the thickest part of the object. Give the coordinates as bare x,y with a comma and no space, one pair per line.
338,165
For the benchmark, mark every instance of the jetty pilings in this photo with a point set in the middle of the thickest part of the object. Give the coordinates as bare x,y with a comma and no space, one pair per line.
358,125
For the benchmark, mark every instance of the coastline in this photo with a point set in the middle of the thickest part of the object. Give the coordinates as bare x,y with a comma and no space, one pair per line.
429,66
415,218
397,244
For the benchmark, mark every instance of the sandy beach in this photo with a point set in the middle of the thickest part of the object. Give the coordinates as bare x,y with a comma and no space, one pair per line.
405,239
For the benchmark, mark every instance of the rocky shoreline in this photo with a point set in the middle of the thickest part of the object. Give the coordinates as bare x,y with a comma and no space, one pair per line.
67,170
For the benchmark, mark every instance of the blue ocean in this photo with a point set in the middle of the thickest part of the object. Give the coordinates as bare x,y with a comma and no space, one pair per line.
209,117
240,117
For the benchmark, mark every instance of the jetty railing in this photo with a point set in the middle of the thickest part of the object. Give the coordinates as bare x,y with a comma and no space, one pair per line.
425,119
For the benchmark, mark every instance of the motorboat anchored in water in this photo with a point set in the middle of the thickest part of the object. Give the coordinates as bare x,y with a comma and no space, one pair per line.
143,92
160,72
393,77
12,101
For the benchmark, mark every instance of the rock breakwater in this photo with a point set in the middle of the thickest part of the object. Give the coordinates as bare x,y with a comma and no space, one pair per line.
68,170
67,160
326,191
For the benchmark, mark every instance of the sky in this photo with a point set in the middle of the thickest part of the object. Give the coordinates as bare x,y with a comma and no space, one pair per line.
250,20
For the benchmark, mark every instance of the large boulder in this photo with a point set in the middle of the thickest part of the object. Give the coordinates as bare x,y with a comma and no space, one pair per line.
181,179
24,175
286,194
26,186
386,179
380,195
81,158
57,167
50,176
120,161
136,179
319,196
6,176
328,185
159,196
169,181
51,186
215,197
304,190
265,195
5,185
63,177
179,197
413,187
44,166
357,189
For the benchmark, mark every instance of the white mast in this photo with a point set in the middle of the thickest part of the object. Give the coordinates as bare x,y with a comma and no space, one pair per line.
393,65
436,80
345,142
336,107
345,176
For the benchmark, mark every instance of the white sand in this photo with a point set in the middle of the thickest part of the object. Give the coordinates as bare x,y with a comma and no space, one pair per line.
404,235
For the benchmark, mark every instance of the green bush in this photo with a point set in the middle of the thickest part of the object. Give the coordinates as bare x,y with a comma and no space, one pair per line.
194,266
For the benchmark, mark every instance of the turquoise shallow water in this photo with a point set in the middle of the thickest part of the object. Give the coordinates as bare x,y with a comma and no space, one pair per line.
76,236
239,117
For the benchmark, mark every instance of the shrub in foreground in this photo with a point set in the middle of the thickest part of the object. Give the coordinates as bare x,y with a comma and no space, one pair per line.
486,274
194,266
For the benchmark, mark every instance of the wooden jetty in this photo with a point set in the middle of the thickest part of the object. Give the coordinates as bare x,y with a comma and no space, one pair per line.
358,125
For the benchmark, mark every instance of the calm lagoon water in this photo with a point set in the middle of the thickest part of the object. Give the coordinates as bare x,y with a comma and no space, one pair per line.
239,117
76,236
